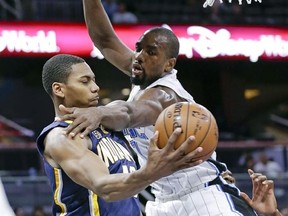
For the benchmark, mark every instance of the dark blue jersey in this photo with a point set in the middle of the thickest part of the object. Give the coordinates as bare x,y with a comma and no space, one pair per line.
73,199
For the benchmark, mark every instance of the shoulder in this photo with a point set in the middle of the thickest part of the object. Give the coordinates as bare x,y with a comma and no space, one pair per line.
160,92
158,98
58,145
55,137
58,136
54,145
57,132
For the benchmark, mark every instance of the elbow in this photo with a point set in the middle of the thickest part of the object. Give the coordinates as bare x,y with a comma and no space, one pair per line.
107,196
112,191
100,191
127,120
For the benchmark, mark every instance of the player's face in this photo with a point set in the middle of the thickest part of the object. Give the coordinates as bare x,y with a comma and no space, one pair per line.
81,89
150,59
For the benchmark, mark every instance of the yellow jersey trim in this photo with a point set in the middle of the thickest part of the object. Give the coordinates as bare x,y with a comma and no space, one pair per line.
58,191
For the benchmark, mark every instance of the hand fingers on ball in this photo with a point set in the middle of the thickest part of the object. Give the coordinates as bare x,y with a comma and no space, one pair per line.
154,140
186,145
190,158
194,156
172,139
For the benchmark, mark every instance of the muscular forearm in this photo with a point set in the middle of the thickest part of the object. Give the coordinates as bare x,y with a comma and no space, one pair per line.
87,169
122,186
145,110
131,114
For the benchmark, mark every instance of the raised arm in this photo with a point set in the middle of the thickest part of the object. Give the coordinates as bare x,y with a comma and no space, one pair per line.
104,37
87,169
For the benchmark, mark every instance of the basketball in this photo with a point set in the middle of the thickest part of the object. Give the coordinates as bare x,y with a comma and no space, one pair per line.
194,119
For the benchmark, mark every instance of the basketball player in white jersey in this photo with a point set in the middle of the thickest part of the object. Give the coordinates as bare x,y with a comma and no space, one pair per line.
195,191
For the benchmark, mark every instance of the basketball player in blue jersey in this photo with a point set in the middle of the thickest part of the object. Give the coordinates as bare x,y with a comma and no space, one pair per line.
96,175
199,190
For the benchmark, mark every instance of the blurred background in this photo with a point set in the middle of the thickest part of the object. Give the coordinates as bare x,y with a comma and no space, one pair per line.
248,99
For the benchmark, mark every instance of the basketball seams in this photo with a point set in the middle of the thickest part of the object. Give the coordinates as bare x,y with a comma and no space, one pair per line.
187,122
207,131
164,123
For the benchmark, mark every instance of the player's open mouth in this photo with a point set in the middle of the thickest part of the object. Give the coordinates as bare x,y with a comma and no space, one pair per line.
137,69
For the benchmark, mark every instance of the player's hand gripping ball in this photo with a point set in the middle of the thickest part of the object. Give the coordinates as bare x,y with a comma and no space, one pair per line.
194,120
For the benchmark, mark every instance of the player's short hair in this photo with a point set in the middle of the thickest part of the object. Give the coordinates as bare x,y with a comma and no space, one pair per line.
173,42
57,69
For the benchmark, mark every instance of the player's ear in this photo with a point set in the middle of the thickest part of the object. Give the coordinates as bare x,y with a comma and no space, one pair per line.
170,64
57,89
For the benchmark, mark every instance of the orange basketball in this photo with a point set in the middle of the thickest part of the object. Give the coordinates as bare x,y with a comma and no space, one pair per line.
194,119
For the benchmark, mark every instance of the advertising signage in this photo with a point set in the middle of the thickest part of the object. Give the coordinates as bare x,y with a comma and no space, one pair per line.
196,42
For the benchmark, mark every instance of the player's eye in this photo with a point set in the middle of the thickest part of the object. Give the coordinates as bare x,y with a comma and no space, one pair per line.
151,52
84,81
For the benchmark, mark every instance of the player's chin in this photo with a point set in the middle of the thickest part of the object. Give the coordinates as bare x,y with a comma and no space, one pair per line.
136,80
93,103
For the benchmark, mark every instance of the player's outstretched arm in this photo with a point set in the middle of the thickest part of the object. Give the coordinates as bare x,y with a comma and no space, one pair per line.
87,169
263,198
119,114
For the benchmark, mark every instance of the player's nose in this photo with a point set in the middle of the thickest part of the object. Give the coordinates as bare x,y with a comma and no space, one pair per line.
95,88
139,56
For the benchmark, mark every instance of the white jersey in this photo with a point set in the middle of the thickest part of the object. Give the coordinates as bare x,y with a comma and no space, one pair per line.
196,191
183,181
